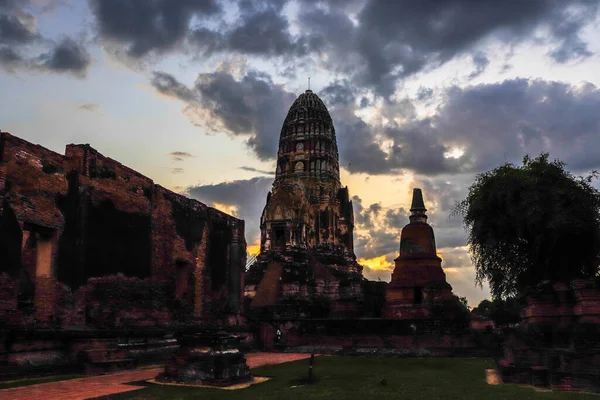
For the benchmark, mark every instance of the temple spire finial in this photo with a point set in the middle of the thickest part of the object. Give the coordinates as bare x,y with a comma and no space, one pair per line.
309,83
417,201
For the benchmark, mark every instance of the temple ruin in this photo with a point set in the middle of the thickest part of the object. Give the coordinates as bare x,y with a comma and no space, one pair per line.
306,267
418,280
89,245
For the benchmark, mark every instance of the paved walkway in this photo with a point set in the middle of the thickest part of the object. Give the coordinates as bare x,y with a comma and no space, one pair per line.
103,385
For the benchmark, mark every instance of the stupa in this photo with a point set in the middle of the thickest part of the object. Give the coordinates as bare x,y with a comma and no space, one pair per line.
418,279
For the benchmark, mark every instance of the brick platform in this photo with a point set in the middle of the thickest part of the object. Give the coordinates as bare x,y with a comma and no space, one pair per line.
96,386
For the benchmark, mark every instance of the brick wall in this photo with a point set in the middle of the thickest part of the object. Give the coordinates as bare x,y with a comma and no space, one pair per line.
105,218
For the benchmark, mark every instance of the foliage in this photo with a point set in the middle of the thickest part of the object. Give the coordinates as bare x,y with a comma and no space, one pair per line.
453,307
484,309
505,312
464,301
531,223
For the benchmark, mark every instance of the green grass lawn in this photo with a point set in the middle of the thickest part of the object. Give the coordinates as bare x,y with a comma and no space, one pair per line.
35,381
359,377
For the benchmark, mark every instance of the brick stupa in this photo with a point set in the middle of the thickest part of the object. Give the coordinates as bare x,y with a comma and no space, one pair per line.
418,279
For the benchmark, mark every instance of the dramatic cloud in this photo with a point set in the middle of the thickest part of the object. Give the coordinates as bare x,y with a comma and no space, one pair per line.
252,106
169,86
67,56
374,43
142,27
18,30
393,40
396,219
521,116
247,196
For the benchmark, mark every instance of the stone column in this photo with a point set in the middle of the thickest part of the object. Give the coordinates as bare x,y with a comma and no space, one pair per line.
199,270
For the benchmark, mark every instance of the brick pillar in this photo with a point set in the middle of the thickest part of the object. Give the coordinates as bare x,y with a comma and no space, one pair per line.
235,272
45,291
3,173
199,269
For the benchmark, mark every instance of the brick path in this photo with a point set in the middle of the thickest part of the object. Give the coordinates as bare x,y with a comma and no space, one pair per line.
103,385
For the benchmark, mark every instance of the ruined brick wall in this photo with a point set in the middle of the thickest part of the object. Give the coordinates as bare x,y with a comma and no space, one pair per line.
66,219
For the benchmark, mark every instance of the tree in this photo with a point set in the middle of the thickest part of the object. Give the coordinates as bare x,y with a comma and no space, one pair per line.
505,312
483,309
531,223
453,307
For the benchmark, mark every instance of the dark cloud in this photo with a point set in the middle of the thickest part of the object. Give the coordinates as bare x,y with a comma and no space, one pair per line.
339,93
571,46
142,27
251,169
10,59
375,43
252,106
169,86
177,170
17,28
396,39
377,243
486,122
265,33
396,219
480,61
424,94
248,196
68,56
358,149
18,31
521,116
91,107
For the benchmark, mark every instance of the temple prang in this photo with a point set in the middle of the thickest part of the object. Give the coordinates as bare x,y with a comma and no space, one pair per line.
306,248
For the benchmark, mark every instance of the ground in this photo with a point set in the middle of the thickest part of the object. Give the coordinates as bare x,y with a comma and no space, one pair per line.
352,378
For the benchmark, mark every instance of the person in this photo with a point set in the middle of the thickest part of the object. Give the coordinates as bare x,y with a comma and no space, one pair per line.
278,336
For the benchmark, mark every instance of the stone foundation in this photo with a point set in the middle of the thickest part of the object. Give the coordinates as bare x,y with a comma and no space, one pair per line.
207,359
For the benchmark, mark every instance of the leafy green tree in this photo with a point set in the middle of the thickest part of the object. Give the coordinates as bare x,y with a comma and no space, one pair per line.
531,223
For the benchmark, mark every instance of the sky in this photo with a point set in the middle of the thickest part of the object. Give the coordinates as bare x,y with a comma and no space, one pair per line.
427,94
